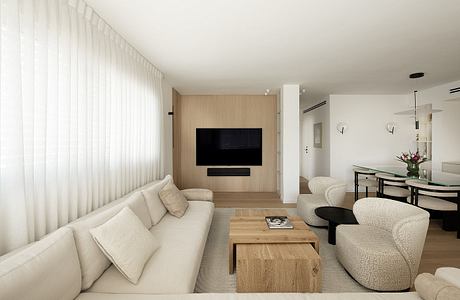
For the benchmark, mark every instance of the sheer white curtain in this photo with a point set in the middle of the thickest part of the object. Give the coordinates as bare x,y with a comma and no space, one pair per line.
80,117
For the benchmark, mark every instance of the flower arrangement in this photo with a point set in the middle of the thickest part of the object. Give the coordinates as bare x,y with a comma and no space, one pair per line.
413,160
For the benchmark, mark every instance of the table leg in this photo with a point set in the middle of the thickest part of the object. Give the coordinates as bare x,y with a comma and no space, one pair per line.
231,257
356,186
316,246
458,215
331,233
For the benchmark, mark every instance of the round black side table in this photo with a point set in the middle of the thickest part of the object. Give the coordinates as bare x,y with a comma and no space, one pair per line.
335,216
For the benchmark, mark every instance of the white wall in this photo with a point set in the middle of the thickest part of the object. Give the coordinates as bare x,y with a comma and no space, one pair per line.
446,124
289,147
167,128
317,161
366,140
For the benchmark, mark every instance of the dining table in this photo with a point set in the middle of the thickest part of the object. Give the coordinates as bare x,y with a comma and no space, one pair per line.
426,175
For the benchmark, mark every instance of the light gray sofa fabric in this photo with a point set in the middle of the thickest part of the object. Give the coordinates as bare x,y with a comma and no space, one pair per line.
256,296
92,260
198,194
173,268
47,269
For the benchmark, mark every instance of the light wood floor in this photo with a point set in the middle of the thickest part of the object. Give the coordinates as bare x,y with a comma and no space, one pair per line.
249,200
442,248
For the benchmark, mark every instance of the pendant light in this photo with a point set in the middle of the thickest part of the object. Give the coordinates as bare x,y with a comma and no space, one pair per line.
416,76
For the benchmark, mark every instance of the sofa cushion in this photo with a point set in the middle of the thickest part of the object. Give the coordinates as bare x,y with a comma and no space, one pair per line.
126,243
136,203
46,269
430,287
256,296
156,208
93,262
173,268
449,274
174,201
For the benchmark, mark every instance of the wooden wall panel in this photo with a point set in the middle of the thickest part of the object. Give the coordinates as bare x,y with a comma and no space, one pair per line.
238,111
176,138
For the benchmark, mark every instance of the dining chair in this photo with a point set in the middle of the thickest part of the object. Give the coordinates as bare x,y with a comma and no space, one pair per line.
390,186
366,178
436,198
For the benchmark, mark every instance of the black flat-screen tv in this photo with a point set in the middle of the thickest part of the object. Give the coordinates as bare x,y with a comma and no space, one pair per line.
229,146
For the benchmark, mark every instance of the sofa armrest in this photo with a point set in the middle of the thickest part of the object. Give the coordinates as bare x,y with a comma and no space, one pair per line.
431,287
198,194
449,274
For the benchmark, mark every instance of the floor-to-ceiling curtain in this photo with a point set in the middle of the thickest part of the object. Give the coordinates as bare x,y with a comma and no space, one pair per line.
80,117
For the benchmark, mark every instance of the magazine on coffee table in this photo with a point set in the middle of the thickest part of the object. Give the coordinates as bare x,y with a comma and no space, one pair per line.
278,222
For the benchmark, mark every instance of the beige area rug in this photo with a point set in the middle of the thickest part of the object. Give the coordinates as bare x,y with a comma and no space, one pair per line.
214,278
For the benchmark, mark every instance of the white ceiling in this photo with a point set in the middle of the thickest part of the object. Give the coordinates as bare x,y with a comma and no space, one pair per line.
327,46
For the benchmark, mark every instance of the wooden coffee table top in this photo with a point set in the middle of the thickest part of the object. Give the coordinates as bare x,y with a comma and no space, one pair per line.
248,226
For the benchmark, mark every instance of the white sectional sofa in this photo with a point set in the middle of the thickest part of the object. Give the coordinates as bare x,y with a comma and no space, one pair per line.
67,264
68,261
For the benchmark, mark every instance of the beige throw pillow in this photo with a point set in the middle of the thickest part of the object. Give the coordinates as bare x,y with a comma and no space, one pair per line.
126,243
174,200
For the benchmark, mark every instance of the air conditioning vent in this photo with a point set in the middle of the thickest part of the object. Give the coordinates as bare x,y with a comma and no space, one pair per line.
314,107
454,90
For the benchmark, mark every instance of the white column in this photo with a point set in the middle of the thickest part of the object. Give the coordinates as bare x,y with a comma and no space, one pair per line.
290,162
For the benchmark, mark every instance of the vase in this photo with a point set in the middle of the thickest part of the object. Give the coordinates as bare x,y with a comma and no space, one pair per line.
413,169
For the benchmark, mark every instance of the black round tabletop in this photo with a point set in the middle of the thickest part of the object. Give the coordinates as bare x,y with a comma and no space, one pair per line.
338,215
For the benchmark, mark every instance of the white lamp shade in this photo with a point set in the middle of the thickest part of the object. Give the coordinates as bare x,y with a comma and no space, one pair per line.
342,127
391,126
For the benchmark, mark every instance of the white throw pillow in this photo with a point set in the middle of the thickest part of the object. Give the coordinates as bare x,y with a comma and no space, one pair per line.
126,243
156,208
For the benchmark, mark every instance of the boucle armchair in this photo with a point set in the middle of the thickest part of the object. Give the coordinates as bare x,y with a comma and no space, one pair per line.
383,252
325,191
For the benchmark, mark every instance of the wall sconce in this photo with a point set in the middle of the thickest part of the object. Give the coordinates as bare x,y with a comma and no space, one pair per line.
391,127
342,127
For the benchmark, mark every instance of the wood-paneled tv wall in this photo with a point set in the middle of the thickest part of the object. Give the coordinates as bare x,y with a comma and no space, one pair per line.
238,111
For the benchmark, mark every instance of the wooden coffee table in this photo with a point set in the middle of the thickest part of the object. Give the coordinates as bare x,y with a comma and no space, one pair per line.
277,268
248,226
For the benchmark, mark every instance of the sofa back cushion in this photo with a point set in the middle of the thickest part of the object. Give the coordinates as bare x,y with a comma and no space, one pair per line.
136,203
92,260
46,269
156,207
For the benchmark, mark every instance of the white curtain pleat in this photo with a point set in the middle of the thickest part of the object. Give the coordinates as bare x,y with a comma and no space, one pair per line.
80,117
